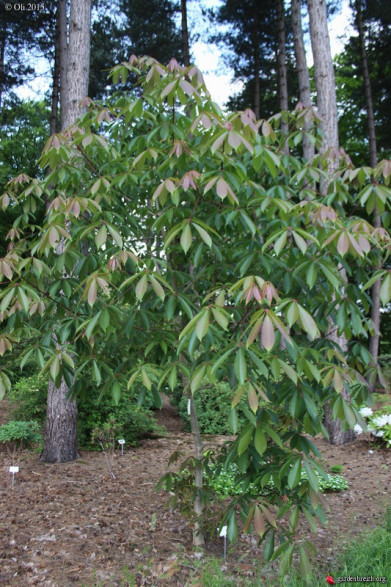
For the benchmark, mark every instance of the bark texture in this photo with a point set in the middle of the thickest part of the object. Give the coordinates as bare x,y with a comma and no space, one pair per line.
60,440
282,69
375,294
327,107
185,34
324,76
56,76
257,85
367,88
60,429
303,76
75,61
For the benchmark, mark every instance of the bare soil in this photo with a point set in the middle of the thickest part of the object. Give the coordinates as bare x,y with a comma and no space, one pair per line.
73,524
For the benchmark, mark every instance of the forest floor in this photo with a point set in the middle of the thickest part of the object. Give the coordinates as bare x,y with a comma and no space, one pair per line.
73,524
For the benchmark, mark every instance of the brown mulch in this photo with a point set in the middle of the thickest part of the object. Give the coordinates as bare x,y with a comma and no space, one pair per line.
72,524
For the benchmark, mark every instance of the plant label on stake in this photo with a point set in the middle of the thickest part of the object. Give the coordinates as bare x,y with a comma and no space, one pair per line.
122,442
223,534
13,470
189,406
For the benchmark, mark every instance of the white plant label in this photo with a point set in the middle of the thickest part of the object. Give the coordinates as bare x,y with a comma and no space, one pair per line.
189,406
223,531
14,469
121,441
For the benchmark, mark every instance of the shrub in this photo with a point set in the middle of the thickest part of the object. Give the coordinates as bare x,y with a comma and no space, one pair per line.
29,396
226,483
20,434
379,424
213,409
135,421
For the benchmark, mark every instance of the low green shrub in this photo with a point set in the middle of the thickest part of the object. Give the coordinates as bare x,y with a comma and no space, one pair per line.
213,406
225,483
28,398
20,434
29,395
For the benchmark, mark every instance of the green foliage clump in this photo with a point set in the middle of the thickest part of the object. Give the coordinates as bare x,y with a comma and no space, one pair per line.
226,483
20,433
213,404
29,396
135,421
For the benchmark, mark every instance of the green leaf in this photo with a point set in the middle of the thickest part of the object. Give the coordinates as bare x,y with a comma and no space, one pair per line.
116,392
141,287
232,527
116,236
245,439
157,288
313,480
186,238
221,317
172,378
385,290
294,474
203,234
221,360
240,365
101,236
260,441
202,325
146,379
196,379
22,299
96,373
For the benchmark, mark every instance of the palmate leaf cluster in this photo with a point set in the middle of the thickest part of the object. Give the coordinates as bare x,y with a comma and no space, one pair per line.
180,246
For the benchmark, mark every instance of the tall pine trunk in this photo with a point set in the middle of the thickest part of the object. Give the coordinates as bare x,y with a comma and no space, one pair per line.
303,76
185,34
375,294
60,440
282,70
327,107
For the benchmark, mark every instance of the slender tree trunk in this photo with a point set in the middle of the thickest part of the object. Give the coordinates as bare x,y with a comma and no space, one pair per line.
185,34
56,78
3,42
257,88
303,76
77,62
198,535
327,107
375,294
333,426
367,88
282,70
324,79
60,441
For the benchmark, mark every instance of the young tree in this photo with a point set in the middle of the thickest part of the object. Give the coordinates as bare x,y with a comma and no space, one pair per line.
60,440
249,261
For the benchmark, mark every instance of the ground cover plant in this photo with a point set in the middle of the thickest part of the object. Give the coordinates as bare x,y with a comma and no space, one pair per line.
212,255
